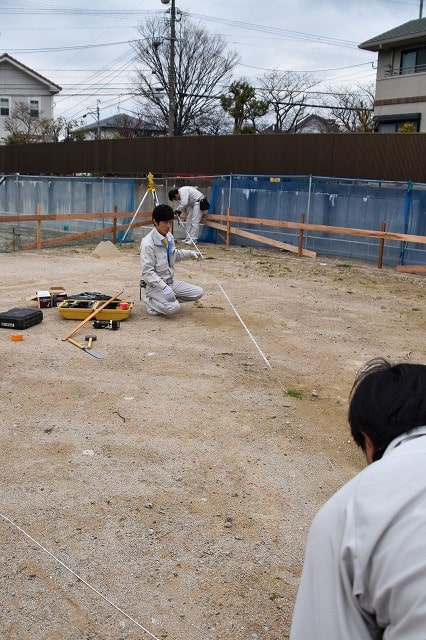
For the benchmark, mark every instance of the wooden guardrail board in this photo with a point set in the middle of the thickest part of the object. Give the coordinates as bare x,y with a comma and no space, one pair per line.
29,217
262,239
370,233
51,242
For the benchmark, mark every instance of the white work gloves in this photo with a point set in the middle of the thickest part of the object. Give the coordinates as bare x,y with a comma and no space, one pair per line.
196,255
169,293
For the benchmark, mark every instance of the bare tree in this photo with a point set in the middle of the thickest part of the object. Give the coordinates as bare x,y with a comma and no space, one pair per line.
215,123
201,64
60,130
21,125
242,105
352,108
24,128
286,95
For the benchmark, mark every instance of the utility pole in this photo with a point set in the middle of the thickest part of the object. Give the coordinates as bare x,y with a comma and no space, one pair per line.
96,113
98,130
172,78
421,9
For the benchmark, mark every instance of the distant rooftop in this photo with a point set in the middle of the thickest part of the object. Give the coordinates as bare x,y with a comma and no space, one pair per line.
411,31
121,121
5,57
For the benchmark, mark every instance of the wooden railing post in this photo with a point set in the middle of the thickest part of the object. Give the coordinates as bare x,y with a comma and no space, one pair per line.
302,220
228,227
114,226
381,247
38,230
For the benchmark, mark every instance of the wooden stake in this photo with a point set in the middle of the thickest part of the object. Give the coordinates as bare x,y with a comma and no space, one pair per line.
381,247
300,247
228,228
38,229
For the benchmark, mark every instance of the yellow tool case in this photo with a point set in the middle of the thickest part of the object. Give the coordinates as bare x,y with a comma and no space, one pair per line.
80,306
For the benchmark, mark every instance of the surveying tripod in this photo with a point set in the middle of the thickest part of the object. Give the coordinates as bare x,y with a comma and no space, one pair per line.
150,188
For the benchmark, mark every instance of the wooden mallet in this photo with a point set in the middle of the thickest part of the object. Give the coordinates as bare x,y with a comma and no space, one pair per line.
89,340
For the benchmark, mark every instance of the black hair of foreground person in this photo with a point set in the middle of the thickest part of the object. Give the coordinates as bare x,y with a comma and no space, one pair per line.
386,401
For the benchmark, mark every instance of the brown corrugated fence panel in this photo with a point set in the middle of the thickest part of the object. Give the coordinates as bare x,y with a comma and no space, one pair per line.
292,154
371,156
399,156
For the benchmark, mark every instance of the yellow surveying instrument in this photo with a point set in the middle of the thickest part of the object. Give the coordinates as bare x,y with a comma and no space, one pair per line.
150,188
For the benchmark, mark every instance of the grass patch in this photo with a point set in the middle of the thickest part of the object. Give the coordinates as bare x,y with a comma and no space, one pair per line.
275,596
293,393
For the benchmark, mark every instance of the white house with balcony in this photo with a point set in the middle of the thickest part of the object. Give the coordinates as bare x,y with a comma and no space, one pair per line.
20,84
401,76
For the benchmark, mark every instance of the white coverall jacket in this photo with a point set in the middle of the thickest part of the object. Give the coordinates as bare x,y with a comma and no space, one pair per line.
364,575
190,199
157,265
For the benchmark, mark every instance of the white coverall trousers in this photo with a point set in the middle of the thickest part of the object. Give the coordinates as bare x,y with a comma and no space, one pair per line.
193,218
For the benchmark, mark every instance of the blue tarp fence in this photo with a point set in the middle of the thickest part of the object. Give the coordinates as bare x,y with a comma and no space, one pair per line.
360,204
325,201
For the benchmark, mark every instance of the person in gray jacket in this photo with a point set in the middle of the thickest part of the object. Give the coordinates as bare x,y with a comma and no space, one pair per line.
365,565
158,254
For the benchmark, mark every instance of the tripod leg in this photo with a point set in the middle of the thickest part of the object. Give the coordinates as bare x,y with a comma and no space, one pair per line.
133,219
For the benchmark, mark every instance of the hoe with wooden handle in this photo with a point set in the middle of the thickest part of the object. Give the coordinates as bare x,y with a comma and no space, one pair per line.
88,350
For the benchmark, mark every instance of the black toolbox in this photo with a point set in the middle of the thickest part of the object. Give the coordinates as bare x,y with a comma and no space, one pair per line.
19,318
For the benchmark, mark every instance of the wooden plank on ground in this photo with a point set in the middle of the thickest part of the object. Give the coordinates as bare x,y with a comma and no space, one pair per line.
414,268
262,239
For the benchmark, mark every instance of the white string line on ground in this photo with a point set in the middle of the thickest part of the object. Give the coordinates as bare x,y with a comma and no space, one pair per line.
265,359
78,577
243,324
342,481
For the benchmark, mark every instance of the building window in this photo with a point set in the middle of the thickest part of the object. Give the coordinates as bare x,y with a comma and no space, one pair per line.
34,107
393,124
5,107
413,61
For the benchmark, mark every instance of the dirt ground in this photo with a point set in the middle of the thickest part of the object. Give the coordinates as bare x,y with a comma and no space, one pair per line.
166,490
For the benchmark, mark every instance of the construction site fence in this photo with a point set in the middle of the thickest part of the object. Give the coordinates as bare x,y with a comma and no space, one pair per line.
376,221
327,202
368,156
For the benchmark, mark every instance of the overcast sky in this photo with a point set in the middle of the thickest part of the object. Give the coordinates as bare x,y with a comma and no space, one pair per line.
86,51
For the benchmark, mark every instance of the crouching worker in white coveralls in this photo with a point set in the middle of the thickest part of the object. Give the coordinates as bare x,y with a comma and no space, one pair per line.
163,294
189,199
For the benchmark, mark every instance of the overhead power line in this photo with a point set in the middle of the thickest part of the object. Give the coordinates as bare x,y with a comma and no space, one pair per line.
296,35
30,8
108,81
72,48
